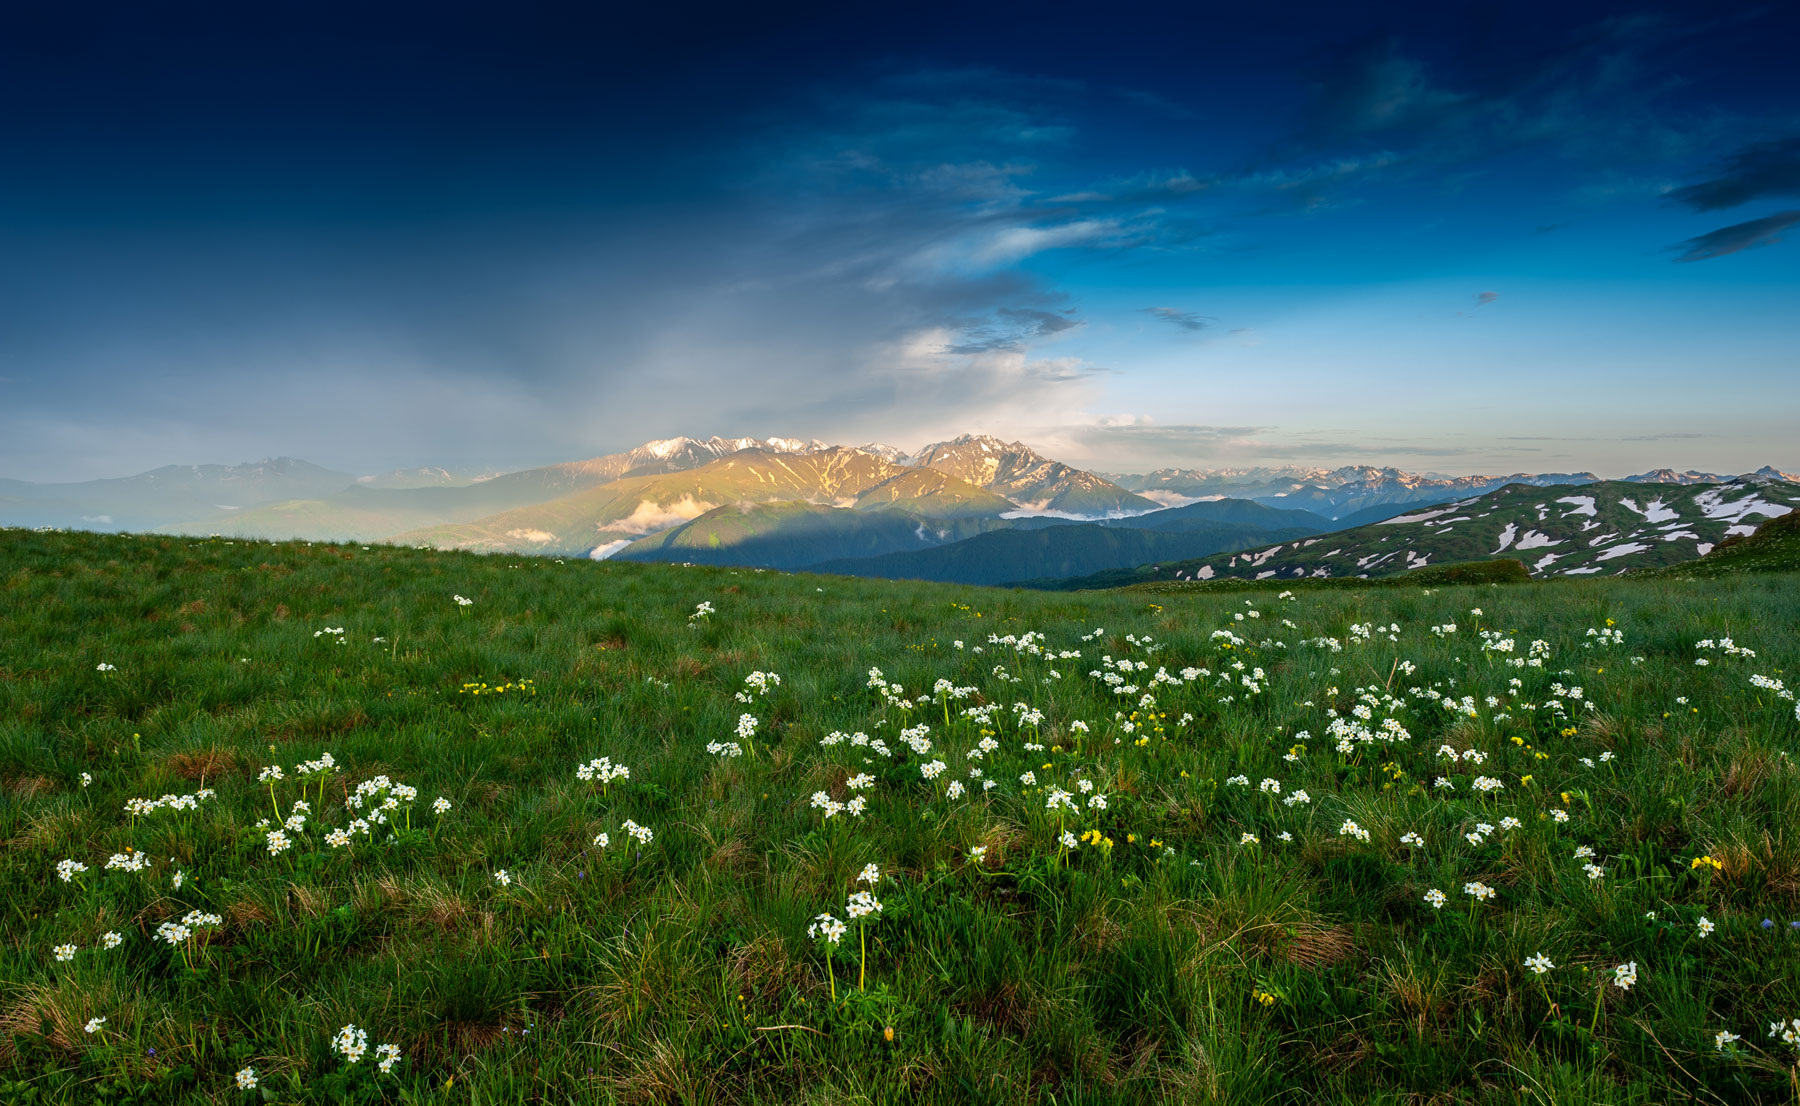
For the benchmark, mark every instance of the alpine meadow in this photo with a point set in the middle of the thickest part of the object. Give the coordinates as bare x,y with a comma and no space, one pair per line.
341,823
941,554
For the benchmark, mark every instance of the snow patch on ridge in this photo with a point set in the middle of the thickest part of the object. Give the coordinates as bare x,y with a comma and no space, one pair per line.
1419,517
1653,511
1712,503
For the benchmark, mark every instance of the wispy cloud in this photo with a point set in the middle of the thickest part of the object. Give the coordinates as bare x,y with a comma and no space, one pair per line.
1013,328
1764,169
1185,320
1378,91
1765,231
1482,298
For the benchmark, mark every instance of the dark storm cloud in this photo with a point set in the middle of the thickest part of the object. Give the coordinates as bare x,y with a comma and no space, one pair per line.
1765,231
1413,107
809,263
1765,169
1186,320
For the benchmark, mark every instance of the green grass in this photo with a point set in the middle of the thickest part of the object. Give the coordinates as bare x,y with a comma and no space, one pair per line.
1163,960
1773,547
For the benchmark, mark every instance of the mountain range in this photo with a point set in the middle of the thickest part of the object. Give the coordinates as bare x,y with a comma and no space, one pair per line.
1344,492
1568,530
972,509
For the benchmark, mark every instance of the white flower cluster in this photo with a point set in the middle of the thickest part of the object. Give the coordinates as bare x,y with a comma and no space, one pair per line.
351,1042
757,685
892,695
128,861
1726,646
324,766
913,737
861,905
702,611
370,792
822,800
603,770
177,932
1030,643
1767,683
827,927
138,808
857,740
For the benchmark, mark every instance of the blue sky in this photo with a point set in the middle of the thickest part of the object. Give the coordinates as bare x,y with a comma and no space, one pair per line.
1514,238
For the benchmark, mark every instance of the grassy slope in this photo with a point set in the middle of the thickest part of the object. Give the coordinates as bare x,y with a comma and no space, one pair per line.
681,970
1774,547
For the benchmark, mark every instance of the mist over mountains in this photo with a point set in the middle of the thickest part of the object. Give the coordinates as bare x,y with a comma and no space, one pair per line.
971,509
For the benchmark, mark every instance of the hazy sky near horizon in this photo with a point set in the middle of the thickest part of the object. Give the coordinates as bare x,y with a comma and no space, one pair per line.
1464,238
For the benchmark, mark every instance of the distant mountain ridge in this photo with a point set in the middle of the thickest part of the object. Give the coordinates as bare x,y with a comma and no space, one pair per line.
1569,530
1333,493
609,518
152,499
783,503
